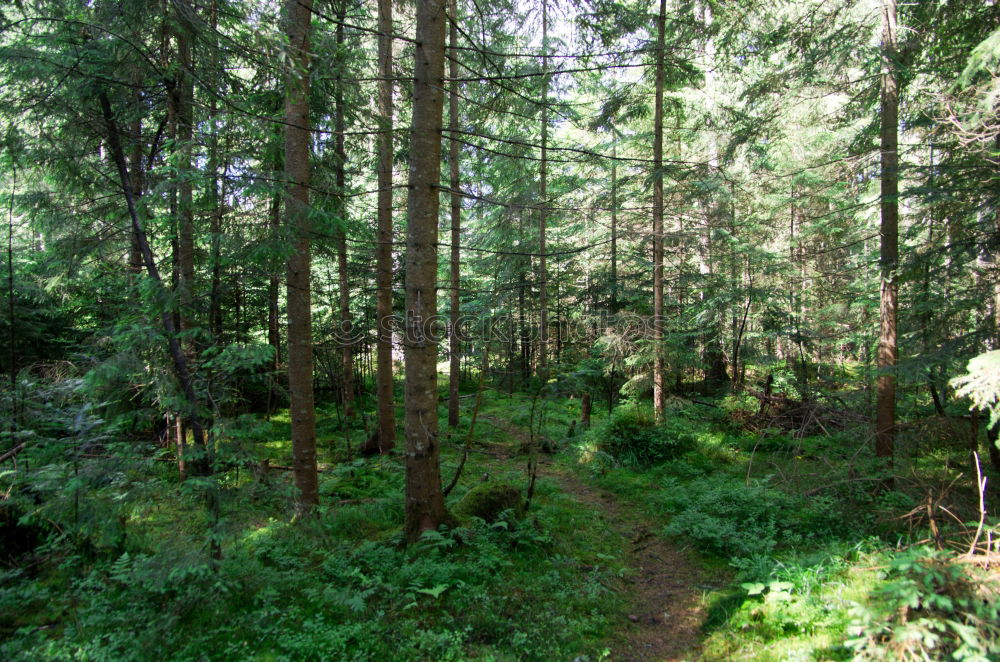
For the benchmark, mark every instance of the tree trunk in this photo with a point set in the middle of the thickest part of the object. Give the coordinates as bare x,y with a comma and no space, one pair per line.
889,254
181,370
138,187
614,228
216,201
383,251
659,390
585,408
455,345
273,286
300,348
185,186
525,336
425,508
344,286
273,313
543,276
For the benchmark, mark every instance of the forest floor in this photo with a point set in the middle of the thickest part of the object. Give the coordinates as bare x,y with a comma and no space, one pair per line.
665,612
720,549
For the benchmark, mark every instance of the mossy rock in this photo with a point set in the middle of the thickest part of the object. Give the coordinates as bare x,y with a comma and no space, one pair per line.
487,500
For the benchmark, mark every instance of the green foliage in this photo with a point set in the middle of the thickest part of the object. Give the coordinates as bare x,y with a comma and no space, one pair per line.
981,384
743,522
632,437
928,607
737,404
135,580
294,591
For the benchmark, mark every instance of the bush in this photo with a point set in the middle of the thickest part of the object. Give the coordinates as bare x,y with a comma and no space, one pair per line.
632,437
732,519
929,607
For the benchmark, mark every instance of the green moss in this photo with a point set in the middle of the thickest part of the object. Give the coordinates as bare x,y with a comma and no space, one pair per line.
487,500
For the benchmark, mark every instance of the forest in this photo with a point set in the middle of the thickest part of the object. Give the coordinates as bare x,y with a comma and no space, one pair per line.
433,330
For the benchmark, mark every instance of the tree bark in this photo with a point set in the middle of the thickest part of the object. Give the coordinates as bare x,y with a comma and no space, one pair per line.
273,288
525,343
543,274
137,173
185,187
298,279
344,285
181,370
383,250
614,227
454,343
216,202
659,390
425,508
889,253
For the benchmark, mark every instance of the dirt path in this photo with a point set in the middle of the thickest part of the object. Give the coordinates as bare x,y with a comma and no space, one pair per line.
665,614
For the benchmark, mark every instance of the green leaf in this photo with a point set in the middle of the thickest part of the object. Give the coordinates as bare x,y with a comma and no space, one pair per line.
436,591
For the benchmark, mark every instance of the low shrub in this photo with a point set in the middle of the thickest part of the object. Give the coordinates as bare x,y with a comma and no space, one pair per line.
632,437
732,519
928,607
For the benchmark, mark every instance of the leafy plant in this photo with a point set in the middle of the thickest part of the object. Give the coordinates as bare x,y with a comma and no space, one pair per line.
632,437
732,519
929,607
981,384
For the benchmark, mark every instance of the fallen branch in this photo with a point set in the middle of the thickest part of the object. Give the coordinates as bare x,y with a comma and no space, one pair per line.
12,452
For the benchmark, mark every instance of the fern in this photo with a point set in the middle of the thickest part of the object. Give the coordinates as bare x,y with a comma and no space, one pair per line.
981,384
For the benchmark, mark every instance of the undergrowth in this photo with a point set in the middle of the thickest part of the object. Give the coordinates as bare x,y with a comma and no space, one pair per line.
809,539
135,579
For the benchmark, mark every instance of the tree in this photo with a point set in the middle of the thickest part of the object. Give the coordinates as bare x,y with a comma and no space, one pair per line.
340,237
425,509
383,247
192,415
454,341
889,240
543,205
300,349
659,387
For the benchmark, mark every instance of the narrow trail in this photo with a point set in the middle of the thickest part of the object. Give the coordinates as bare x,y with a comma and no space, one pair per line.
665,615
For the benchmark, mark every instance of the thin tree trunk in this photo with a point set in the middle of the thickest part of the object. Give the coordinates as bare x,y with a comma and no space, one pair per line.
273,319
176,353
425,509
138,187
472,423
614,228
383,251
525,337
274,280
273,286
344,285
889,253
659,390
216,201
185,186
543,275
11,318
455,345
300,348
